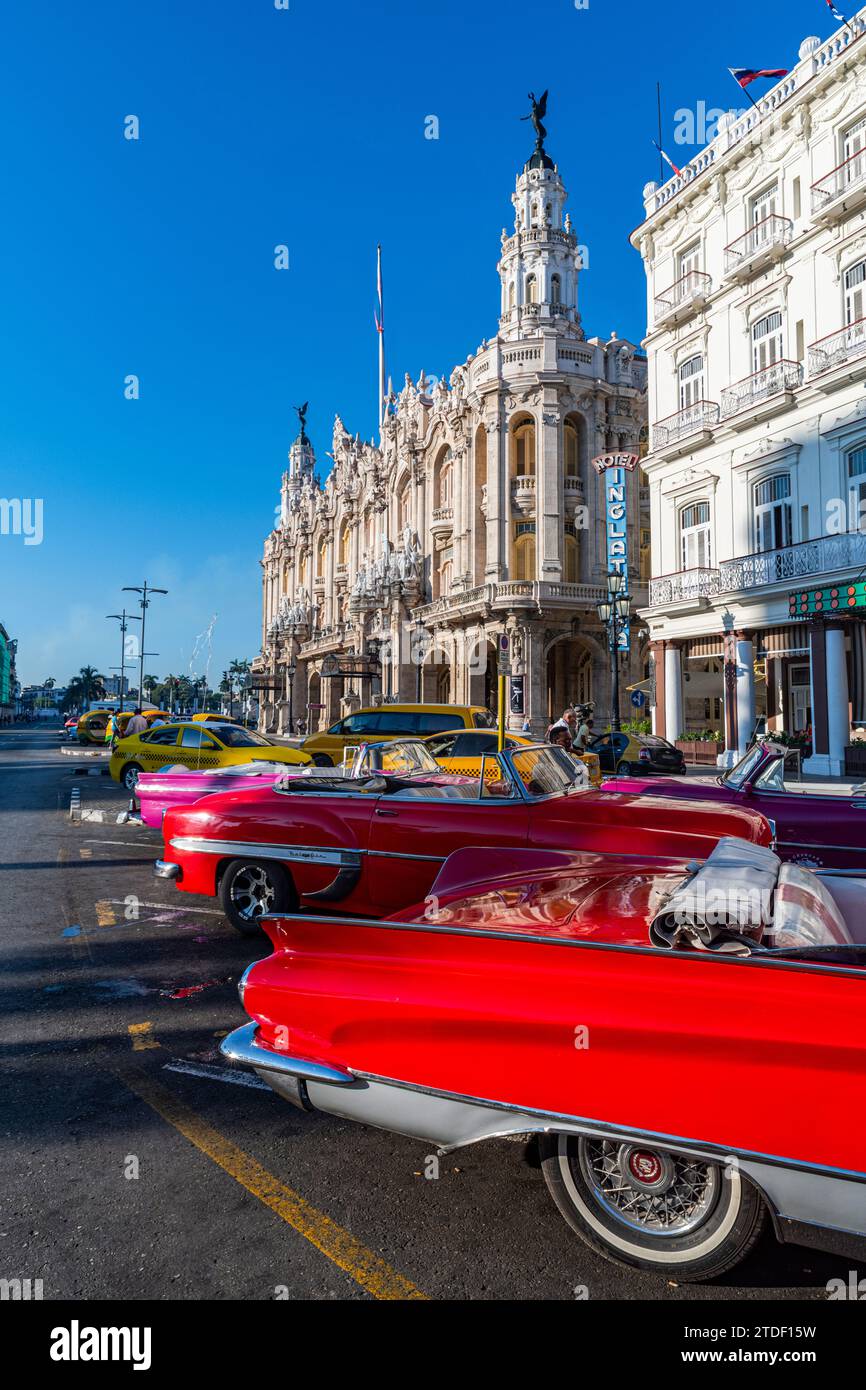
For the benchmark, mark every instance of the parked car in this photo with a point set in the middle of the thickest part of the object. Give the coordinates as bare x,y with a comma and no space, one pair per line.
396,721
820,830
461,750
679,1100
376,844
194,746
624,753
177,785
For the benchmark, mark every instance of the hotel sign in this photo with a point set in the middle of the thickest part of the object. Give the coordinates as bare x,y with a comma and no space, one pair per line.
615,467
836,598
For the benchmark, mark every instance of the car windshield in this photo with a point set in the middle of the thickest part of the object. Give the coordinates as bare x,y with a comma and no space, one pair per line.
546,771
232,737
740,774
405,758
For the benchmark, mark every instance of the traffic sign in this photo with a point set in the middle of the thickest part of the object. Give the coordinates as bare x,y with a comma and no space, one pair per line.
638,699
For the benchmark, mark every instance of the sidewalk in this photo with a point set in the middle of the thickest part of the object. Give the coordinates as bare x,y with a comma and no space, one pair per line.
820,786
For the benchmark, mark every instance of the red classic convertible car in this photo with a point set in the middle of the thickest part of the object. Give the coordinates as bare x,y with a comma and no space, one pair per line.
686,1041
820,831
375,844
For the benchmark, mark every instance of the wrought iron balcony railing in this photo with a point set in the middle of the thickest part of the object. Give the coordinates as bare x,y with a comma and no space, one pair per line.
690,290
837,348
770,381
770,234
702,415
847,177
683,587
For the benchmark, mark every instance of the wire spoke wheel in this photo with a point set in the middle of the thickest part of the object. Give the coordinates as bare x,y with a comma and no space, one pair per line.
649,1191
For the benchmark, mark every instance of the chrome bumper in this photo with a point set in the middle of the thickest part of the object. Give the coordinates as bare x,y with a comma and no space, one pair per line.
241,1046
163,869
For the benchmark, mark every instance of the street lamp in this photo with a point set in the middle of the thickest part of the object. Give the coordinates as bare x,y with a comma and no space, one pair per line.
144,604
290,672
419,655
613,613
123,618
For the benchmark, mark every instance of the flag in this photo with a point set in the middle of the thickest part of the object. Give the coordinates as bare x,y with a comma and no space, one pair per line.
835,13
746,75
667,160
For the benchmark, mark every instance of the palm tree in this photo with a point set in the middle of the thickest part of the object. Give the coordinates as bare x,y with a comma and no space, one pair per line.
91,682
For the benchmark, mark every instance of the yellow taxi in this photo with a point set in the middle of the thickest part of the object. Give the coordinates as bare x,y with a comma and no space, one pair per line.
194,746
462,750
380,722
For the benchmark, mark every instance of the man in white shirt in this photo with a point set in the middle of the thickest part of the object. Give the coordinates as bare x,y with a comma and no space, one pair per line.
136,725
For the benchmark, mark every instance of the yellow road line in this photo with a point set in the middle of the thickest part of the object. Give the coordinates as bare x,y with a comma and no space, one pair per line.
373,1274
139,1033
105,915
86,853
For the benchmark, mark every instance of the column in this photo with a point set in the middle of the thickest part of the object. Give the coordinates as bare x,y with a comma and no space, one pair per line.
657,655
838,712
773,668
673,692
745,691
549,509
497,484
819,762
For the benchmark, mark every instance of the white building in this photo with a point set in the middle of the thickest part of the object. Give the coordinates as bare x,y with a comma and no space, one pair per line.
476,514
756,271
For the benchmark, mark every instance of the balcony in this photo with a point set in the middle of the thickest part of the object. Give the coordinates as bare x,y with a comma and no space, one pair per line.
523,493
442,521
681,300
574,493
758,248
514,594
825,555
761,395
841,191
686,430
839,353
687,589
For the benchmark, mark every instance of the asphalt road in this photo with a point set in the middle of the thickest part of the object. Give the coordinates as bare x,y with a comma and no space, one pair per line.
136,1165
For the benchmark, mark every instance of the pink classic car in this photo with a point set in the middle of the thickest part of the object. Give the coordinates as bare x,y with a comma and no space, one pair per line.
822,831
180,786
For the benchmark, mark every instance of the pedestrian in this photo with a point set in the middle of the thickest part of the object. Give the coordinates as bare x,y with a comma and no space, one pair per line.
526,726
559,736
136,725
567,721
583,735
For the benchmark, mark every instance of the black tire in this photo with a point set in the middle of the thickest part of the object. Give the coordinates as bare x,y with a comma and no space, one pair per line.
129,776
623,769
251,887
728,1217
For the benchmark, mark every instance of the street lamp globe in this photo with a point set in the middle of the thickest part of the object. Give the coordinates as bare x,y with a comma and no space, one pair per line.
614,583
604,611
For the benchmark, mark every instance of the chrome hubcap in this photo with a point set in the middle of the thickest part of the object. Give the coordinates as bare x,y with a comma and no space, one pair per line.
649,1190
252,892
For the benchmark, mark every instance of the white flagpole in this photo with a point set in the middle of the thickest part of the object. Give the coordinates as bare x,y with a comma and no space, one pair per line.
381,327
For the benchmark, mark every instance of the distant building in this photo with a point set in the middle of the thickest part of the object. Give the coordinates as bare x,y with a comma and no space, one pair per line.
477,515
112,685
755,258
8,683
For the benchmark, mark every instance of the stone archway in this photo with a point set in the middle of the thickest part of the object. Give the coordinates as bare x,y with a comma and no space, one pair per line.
575,673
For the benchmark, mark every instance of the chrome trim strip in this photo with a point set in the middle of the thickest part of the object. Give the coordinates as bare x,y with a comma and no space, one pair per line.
606,1127
249,849
394,854
241,1046
816,844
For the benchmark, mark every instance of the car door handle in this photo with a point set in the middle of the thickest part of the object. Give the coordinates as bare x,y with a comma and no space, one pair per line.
385,811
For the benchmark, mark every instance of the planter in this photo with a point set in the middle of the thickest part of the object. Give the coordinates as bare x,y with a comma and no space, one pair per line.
700,752
855,759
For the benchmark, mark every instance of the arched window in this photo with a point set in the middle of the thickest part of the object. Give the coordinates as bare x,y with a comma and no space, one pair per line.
773,521
446,572
767,344
404,507
512,292
555,290
524,550
571,449
523,448
442,480
345,540
302,570
531,290
695,544
321,557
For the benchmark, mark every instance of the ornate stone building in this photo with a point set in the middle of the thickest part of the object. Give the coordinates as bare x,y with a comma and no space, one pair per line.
477,513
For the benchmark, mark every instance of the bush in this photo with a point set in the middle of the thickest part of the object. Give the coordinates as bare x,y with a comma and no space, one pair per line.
701,736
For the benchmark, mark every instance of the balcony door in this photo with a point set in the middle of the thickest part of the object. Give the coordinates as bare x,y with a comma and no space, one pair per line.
767,344
773,519
763,208
855,289
857,490
854,153
695,541
691,382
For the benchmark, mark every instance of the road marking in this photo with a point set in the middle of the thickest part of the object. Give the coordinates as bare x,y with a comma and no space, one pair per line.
86,853
373,1274
140,1035
130,844
210,1073
170,907
105,915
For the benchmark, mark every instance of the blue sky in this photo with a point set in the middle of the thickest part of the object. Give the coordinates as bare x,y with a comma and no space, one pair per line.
302,127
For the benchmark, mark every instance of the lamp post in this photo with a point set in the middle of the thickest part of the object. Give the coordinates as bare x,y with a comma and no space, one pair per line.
144,603
419,656
613,612
124,619
290,673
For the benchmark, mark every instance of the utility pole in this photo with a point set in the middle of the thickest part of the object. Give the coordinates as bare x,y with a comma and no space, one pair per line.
124,619
144,603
